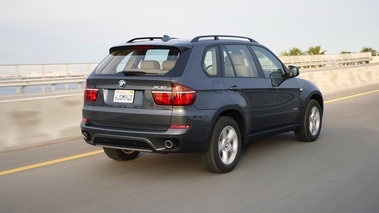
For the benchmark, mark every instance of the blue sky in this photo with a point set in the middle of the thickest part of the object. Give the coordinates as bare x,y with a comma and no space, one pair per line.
81,31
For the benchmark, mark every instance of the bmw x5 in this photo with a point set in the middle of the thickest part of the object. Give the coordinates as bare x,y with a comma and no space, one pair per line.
210,95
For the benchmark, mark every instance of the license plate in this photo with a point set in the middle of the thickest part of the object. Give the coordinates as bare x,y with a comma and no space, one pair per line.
123,96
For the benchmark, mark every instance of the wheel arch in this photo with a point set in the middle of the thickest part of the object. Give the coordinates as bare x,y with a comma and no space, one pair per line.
319,99
233,112
314,96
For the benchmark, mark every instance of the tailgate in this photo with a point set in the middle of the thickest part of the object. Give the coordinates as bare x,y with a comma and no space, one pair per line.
126,103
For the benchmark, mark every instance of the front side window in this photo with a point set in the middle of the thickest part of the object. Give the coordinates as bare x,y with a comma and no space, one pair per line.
271,66
146,60
238,62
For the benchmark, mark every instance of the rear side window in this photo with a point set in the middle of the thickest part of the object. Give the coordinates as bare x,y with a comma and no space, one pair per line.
146,60
210,61
238,62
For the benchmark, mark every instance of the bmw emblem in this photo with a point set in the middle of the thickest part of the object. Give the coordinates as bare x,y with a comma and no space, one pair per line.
121,84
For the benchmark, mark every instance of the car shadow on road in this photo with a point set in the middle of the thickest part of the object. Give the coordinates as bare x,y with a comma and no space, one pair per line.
182,164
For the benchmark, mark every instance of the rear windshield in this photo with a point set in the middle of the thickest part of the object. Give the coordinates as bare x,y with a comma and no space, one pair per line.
146,60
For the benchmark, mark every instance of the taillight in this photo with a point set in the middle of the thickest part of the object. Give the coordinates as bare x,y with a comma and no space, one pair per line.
161,98
90,95
178,96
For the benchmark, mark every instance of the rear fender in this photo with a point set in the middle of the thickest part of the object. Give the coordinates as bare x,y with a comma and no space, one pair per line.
233,111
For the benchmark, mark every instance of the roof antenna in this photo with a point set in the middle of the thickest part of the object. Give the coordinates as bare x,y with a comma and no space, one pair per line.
166,38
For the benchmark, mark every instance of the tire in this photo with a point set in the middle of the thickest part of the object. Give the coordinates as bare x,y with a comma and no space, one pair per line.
224,146
312,121
120,155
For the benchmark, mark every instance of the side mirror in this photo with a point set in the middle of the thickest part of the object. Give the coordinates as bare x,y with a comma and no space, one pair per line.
294,71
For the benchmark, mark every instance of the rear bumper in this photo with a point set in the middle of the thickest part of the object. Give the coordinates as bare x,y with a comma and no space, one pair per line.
193,139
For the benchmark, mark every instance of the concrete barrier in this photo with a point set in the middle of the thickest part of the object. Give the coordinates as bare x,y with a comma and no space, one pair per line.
33,121
337,79
28,122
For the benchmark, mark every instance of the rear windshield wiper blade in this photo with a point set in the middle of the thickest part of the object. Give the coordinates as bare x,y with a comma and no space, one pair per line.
130,72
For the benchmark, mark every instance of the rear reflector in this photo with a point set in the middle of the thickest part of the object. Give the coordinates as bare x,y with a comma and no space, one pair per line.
180,126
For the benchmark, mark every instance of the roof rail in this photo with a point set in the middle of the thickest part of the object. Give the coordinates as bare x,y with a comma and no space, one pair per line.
217,37
163,38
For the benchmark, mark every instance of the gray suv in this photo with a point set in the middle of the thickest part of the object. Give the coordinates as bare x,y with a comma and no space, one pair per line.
210,95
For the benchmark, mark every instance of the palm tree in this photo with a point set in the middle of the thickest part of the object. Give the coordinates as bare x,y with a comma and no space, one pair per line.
368,49
316,50
291,52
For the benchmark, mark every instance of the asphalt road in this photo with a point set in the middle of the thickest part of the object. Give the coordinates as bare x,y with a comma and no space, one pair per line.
337,173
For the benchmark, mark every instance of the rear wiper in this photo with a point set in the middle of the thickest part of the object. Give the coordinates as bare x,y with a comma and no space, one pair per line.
130,72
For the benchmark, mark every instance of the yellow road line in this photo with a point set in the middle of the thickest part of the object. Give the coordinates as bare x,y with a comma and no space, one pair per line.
351,96
6,172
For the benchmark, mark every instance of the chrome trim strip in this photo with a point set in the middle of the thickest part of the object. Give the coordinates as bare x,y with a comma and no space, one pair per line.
123,148
126,138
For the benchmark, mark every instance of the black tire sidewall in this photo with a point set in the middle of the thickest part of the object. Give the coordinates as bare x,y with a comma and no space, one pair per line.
312,103
119,155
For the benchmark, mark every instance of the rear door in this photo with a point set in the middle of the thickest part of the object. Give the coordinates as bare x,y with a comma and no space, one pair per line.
246,87
125,81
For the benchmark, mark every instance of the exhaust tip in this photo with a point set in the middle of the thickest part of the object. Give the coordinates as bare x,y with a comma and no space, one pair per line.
86,136
168,144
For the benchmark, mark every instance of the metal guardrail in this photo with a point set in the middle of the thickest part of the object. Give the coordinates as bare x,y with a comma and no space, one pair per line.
22,83
22,76
45,70
74,69
308,61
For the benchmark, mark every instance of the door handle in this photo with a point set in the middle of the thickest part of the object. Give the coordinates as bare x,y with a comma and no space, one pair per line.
274,88
234,88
